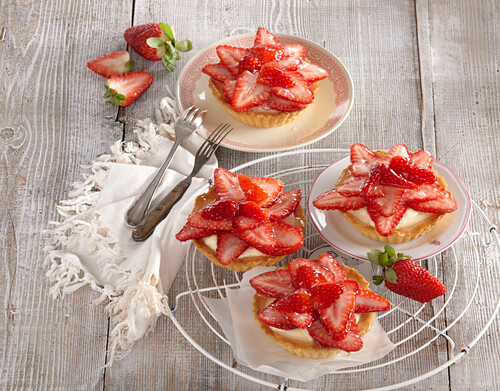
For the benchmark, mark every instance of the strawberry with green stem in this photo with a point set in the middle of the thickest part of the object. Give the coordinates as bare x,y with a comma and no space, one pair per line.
404,276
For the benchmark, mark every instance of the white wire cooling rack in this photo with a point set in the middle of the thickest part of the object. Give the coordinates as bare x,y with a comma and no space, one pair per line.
428,337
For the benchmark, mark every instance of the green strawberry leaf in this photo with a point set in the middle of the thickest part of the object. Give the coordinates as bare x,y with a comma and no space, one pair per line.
155,42
166,64
373,256
170,49
184,46
383,259
390,251
167,30
390,275
377,280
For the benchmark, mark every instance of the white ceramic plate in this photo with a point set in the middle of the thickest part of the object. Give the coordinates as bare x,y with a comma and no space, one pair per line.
341,235
330,108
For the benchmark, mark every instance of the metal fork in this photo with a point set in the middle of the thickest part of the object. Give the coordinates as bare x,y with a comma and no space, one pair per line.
146,227
185,126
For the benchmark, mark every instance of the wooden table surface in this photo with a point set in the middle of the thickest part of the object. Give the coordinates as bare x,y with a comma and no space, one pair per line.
425,73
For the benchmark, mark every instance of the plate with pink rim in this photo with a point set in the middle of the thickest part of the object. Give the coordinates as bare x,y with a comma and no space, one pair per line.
331,107
341,235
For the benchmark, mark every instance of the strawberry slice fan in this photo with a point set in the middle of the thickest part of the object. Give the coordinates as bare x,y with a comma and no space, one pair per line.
220,307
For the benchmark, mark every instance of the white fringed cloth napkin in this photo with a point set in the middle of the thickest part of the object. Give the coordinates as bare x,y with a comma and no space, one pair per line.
92,246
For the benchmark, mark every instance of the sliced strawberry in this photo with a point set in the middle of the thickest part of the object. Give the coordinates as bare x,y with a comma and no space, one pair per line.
336,315
111,64
288,239
264,37
386,225
425,193
293,57
388,204
268,53
299,301
371,186
271,316
362,160
228,89
189,232
260,237
321,334
284,105
243,222
306,277
124,89
325,294
271,186
423,159
250,215
231,56
229,247
273,74
285,205
277,283
227,185
398,150
410,171
351,285
312,72
218,72
438,206
301,91
352,188
220,210
367,301
299,263
352,342
252,191
328,261
198,220
390,178
334,200
249,63
248,93
301,320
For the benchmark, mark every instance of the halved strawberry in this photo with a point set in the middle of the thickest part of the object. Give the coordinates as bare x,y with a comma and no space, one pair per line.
293,57
260,237
388,204
218,72
328,261
227,185
325,294
252,191
398,150
264,37
285,205
248,93
410,171
220,210
422,159
271,316
352,188
425,193
249,63
295,264
337,314
362,160
277,283
124,89
301,91
390,178
268,53
351,285
284,105
386,225
189,232
273,74
307,277
198,220
229,247
228,89
332,199
271,186
367,301
231,56
111,64
288,239
443,205
312,72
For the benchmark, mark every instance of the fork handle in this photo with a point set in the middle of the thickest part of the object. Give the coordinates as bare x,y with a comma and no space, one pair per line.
140,206
146,227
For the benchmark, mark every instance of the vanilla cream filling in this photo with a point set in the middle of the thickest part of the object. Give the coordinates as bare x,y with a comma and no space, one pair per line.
410,217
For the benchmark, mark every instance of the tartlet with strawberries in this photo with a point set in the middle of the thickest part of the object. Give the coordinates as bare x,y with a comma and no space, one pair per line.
266,85
315,308
392,196
242,222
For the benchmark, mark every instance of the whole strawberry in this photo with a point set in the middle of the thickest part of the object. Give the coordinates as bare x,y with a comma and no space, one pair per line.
155,42
404,276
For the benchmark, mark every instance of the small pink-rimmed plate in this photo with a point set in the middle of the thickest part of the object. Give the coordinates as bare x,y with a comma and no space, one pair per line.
329,110
341,235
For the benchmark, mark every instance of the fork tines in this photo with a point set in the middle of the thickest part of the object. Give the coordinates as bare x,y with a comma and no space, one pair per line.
213,141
